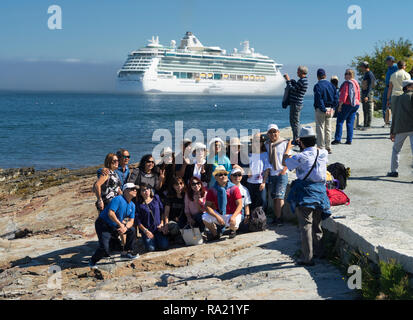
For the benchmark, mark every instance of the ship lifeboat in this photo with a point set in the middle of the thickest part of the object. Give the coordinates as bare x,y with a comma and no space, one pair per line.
210,75
203,75
225,76
245,77
252,77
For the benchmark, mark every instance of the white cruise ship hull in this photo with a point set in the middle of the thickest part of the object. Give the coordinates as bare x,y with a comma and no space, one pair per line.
274,85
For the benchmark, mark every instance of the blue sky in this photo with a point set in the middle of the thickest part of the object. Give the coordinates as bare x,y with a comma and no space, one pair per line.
290,32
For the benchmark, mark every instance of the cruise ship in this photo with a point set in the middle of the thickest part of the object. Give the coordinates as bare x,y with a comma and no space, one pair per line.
192,68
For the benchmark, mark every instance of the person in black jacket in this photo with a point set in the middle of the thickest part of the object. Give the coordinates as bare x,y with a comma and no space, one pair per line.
200,168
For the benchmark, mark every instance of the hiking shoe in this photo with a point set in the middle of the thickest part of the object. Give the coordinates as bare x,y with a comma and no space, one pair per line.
232,234
335,142
348,142
92,265
392,174
329,151
129,256
211,237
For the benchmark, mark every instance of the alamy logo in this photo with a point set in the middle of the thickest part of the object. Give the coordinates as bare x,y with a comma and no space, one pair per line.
354,281
354,21
55,20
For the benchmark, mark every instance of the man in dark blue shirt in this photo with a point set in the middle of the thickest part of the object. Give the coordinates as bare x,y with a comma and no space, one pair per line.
367,96
325,101
123,170
111,223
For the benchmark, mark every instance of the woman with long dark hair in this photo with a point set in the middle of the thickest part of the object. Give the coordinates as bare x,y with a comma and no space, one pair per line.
149,214
174,206
147,173
195,198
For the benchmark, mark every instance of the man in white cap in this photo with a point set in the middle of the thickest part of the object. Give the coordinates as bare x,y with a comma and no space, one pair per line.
223,205
308,196
111,224
276,147
402,125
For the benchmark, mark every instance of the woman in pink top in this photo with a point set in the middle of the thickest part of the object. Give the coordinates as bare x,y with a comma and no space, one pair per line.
194,204
349,102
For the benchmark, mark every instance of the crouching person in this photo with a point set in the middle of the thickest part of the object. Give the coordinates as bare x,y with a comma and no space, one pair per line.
308,196
149,214
110,225
223,205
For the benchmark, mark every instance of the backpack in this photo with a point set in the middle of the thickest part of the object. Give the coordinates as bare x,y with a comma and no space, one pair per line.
286,98
339,172
337,197
258,220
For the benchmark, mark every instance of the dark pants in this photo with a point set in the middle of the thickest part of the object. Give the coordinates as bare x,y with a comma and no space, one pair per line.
106,234
368,109
309,221
258,198
295,110
158,242
183,221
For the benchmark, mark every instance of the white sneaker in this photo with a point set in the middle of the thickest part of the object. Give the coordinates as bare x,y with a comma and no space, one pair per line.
92,265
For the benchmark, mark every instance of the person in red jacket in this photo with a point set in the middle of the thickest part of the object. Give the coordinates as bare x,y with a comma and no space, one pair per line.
349,102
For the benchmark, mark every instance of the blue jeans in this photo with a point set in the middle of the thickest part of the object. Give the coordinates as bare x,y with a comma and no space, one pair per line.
159,241
348,114
295,110
278,186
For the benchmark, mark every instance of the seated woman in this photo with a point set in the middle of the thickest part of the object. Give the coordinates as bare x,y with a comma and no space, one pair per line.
149,212
194,204
108,185
200,168
174,207
146,173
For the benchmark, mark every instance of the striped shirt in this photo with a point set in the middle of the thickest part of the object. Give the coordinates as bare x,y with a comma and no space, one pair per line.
297,90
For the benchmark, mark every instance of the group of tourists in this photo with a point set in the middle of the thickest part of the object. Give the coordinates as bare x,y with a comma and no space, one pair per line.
343,102
210,188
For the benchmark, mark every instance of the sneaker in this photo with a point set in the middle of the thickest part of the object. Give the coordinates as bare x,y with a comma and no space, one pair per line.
129,256
232,234
329,151
92,265
348,142
392,174
335,142
211,237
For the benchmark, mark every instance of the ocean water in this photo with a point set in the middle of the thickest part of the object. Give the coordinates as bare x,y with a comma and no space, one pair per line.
53,130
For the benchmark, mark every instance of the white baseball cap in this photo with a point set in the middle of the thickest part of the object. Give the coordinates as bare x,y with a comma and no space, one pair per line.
272,126
236,170
407,82
129,185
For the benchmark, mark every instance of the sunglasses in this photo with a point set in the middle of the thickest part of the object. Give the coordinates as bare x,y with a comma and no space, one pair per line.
237,175
150,161
114,161
126,157
220,174
195,183
347,74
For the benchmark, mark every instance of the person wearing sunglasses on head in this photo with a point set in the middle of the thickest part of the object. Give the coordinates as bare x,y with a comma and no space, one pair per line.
108,185
147,173
236,178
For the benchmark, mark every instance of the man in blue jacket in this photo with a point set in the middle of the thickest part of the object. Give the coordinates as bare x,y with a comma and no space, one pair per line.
325,101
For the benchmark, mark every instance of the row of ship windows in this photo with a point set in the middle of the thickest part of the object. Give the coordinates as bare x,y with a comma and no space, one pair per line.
218,76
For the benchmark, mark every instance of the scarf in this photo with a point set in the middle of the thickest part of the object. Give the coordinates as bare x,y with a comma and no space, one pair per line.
272,153
222,196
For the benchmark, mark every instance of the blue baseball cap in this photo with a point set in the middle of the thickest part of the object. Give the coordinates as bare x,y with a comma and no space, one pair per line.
321,72
390,58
